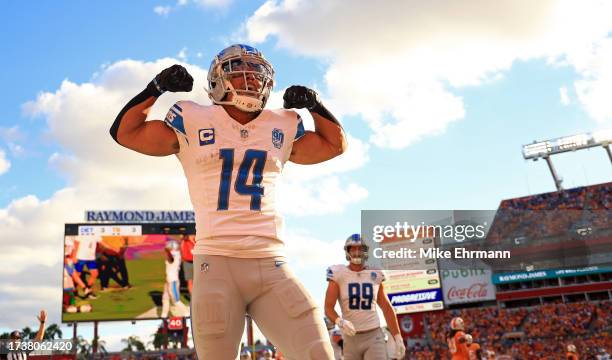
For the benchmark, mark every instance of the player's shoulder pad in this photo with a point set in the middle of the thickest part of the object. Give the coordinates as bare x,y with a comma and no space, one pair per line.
293,115
176,115
334,271
377,274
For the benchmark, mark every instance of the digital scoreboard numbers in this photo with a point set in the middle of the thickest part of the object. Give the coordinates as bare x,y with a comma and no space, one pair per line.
110,230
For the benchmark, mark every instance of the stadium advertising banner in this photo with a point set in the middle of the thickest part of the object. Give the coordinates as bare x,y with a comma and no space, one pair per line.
547,274
126,271
410,290
467,285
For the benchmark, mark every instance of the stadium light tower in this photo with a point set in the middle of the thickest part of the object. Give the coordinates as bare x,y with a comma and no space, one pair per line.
544,149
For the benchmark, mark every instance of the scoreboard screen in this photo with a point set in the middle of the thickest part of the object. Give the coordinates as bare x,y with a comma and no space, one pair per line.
126,271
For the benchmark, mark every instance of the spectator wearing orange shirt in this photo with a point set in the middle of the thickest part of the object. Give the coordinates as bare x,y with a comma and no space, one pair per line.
187,244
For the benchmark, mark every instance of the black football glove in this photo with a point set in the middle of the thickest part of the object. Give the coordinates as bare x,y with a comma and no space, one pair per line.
173,79
299,97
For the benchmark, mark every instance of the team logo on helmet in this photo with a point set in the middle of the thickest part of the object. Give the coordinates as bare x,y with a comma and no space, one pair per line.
257,75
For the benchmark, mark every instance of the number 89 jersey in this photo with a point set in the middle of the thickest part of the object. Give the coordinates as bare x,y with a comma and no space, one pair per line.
358,294
231,171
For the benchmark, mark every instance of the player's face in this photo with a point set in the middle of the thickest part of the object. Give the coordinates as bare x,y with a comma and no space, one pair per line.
355,251
246,74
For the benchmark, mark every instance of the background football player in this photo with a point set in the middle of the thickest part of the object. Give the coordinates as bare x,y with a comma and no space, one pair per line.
474,351
572,353
456,340
232,154
187,244
172,293
359,290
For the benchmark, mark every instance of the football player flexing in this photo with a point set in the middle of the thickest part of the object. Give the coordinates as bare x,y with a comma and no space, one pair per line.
232,153
359,289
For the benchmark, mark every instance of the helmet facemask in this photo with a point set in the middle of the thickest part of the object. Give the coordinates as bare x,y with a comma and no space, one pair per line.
255,75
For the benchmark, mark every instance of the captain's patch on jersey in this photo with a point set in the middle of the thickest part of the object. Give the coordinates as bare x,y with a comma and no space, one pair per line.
278,137
207,136
174,119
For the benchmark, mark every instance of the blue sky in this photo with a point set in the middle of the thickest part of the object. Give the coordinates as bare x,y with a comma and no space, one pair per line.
437,100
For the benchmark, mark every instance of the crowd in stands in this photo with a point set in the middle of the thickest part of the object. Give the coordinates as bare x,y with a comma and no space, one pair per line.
553,214
538,333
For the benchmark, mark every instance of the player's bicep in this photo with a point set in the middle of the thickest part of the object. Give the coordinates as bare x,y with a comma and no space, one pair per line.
331,295
311,149
153,138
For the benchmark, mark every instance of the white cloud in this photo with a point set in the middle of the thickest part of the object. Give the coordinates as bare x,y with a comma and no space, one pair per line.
564,97
213,3
397,65
11,134
594,88
5,165
182,54
307,251
217,4
162,10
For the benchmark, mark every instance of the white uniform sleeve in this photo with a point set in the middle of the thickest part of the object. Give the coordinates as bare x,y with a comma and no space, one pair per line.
333,273
174,119
300,129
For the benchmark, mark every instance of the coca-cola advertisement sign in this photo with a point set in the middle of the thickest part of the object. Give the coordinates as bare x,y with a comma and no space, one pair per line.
463,286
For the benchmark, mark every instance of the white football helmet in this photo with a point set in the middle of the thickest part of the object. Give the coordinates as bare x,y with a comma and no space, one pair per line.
247,62
356,240
571,348
468,339
457,324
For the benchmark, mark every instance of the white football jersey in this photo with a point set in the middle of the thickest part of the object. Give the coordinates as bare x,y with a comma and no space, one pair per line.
231,171
87,247
173,268
358,294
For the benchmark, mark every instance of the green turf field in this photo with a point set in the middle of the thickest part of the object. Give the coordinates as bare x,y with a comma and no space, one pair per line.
147,276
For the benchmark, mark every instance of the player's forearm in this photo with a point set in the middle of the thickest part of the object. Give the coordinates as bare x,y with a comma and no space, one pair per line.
391,319
331,314
331,132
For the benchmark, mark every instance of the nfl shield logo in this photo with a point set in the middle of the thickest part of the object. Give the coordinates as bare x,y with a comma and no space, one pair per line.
244,133
373,276
277,138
